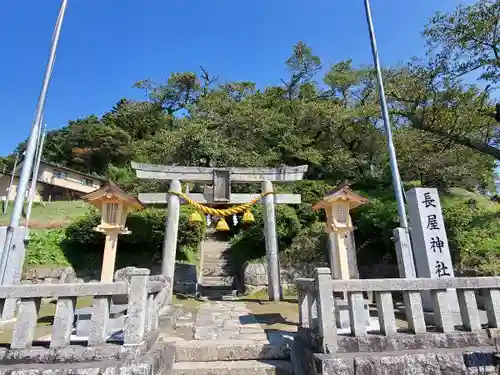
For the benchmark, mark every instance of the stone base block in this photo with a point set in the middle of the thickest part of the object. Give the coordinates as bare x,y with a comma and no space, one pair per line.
437,362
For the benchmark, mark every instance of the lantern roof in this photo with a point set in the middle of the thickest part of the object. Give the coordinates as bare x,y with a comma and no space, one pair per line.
344,194
111,192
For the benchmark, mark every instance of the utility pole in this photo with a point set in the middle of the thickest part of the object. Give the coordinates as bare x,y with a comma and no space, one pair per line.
10,183
34,178
31,147
396,178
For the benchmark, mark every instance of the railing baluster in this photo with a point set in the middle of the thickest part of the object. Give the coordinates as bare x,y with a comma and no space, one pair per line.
468,309
442,311
492,297
303,299
312,310
150,307
326,315
63,322
357,313
137,303
98,332
24,328
158,304
414,311
386,317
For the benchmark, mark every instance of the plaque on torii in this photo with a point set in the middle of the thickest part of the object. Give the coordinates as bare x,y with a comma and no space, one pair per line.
220,193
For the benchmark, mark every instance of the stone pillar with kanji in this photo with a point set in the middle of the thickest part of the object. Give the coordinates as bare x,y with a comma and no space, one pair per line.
429,241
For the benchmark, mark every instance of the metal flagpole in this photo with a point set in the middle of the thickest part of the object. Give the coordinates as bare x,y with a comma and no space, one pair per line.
396,179
406,259
34,178
31,148
10,183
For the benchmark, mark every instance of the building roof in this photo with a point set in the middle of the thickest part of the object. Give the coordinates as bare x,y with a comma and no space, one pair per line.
64,168
343,193
109,190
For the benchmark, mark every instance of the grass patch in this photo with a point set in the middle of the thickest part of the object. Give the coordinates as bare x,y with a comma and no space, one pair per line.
190,303
51,215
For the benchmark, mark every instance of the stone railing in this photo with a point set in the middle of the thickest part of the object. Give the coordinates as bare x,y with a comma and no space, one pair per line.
317,306
145,297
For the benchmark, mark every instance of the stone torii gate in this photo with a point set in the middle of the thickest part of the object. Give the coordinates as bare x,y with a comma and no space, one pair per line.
220,193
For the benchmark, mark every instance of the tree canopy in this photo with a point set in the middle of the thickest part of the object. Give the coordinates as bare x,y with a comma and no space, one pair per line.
325,117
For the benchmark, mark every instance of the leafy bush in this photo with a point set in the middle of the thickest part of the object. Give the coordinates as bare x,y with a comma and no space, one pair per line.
143,247
44,248
310,246
310,192
374,224
248,243
473,234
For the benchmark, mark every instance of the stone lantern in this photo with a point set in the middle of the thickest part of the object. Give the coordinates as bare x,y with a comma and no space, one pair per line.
337,206
115,205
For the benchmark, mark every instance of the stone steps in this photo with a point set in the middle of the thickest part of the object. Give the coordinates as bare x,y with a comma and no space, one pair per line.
216,259
217,252
217,273
221,252
217,263
219,281
216,246
209,271
228,350
248,367
216,293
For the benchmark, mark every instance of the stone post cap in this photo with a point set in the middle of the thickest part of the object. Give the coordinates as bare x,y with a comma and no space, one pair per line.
175,185
124,274
322,271
139,272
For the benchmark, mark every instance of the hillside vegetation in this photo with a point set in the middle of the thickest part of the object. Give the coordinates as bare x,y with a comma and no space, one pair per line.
327,116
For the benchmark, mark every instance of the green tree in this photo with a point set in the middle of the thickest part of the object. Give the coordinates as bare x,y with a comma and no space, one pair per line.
461,42
140,119
467,39
88,145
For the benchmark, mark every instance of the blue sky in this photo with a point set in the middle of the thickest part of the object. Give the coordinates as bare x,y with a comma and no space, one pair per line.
107,45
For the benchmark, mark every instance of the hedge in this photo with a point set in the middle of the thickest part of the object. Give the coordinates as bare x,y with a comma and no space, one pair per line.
81,246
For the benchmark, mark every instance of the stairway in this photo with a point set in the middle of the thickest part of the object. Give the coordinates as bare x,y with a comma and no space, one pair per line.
231,357
217,276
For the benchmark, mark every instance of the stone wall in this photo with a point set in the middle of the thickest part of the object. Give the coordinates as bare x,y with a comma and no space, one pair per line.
185,276
255,274
49,275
